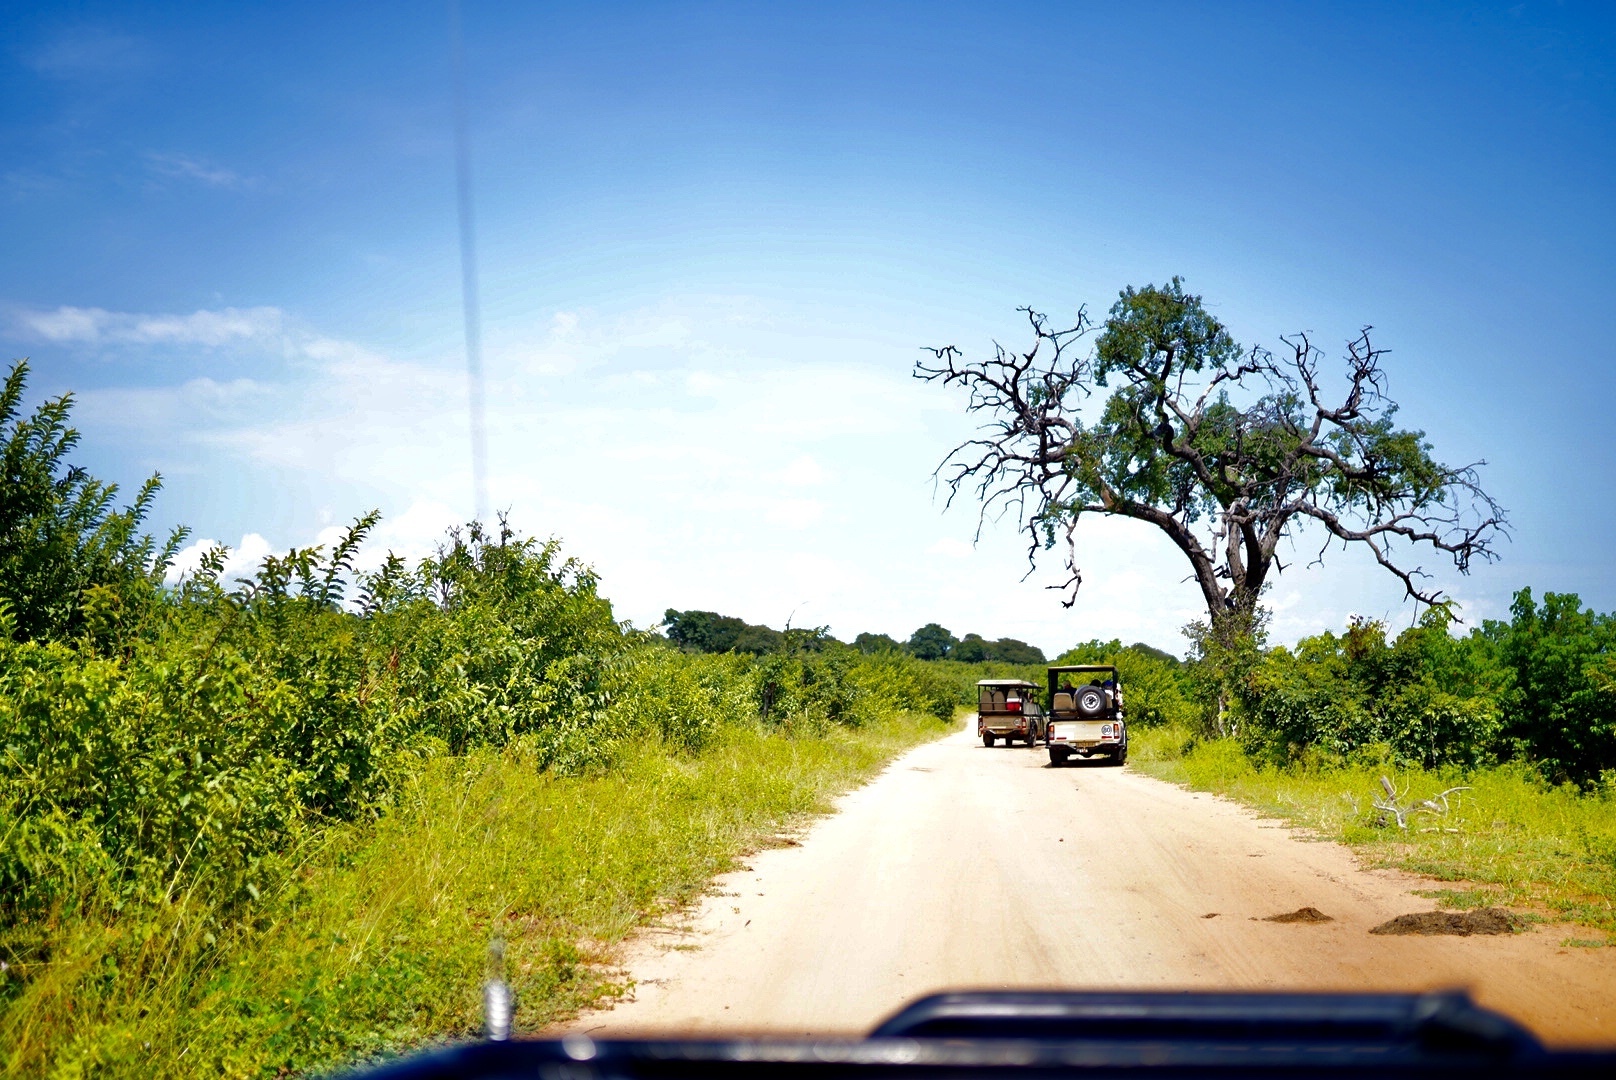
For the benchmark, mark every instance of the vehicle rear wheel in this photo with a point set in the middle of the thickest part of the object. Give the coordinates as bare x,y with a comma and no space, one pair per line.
1058,755
987,740
1120,757
1030,738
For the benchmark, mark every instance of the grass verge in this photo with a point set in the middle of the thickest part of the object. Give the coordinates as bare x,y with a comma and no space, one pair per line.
1510,839
381,942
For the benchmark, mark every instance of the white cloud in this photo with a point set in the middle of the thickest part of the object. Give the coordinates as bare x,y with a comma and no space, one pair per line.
178,409
90,51
804,471
704,384
240,561
413,534
63,324
793,513
207,327
99,326
186,167
950,548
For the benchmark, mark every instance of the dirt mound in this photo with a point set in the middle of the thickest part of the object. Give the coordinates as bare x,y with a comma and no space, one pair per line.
1301,914
1488,920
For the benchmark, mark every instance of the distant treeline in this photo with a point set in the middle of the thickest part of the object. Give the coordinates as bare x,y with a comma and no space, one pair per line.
1538,690
710,632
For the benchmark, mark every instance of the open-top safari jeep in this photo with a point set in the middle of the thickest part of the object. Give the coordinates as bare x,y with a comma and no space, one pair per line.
1008,709
1085,713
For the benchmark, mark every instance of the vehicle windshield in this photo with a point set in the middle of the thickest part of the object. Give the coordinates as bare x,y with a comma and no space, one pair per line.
706,518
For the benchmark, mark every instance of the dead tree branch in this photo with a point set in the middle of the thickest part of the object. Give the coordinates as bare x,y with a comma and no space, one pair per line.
1395,804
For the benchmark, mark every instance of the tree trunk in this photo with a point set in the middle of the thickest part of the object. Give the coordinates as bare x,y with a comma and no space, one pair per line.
1232,647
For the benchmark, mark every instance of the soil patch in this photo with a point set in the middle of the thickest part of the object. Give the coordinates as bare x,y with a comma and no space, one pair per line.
1301,914
1489,920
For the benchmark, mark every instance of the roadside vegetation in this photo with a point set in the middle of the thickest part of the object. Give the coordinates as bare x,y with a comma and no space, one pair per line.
1488,760
265,825
377,935
1508,838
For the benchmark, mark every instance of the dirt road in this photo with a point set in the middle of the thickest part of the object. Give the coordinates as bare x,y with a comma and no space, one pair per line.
963,866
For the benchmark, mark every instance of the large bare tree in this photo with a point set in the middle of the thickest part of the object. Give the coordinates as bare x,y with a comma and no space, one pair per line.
1225,450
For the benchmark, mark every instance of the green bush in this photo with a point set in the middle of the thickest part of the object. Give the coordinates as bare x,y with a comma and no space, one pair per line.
893,681
1562,704
234,721
682,700
1429,698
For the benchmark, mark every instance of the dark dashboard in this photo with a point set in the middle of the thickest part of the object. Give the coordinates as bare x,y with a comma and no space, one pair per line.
1049,1033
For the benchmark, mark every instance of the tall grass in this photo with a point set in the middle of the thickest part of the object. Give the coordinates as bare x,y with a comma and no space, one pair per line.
379,940
1509,838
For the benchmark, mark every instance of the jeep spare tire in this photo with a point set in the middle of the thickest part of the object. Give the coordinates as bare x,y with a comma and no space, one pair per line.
1091,701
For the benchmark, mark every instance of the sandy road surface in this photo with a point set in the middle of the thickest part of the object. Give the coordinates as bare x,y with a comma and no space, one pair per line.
962,866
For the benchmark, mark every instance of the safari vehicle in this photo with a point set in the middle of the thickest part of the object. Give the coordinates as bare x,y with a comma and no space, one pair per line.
1008,709
1085,713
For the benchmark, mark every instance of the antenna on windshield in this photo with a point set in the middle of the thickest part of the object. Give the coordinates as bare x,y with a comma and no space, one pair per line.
468,270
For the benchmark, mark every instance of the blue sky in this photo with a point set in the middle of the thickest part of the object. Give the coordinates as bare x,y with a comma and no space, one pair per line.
714,236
